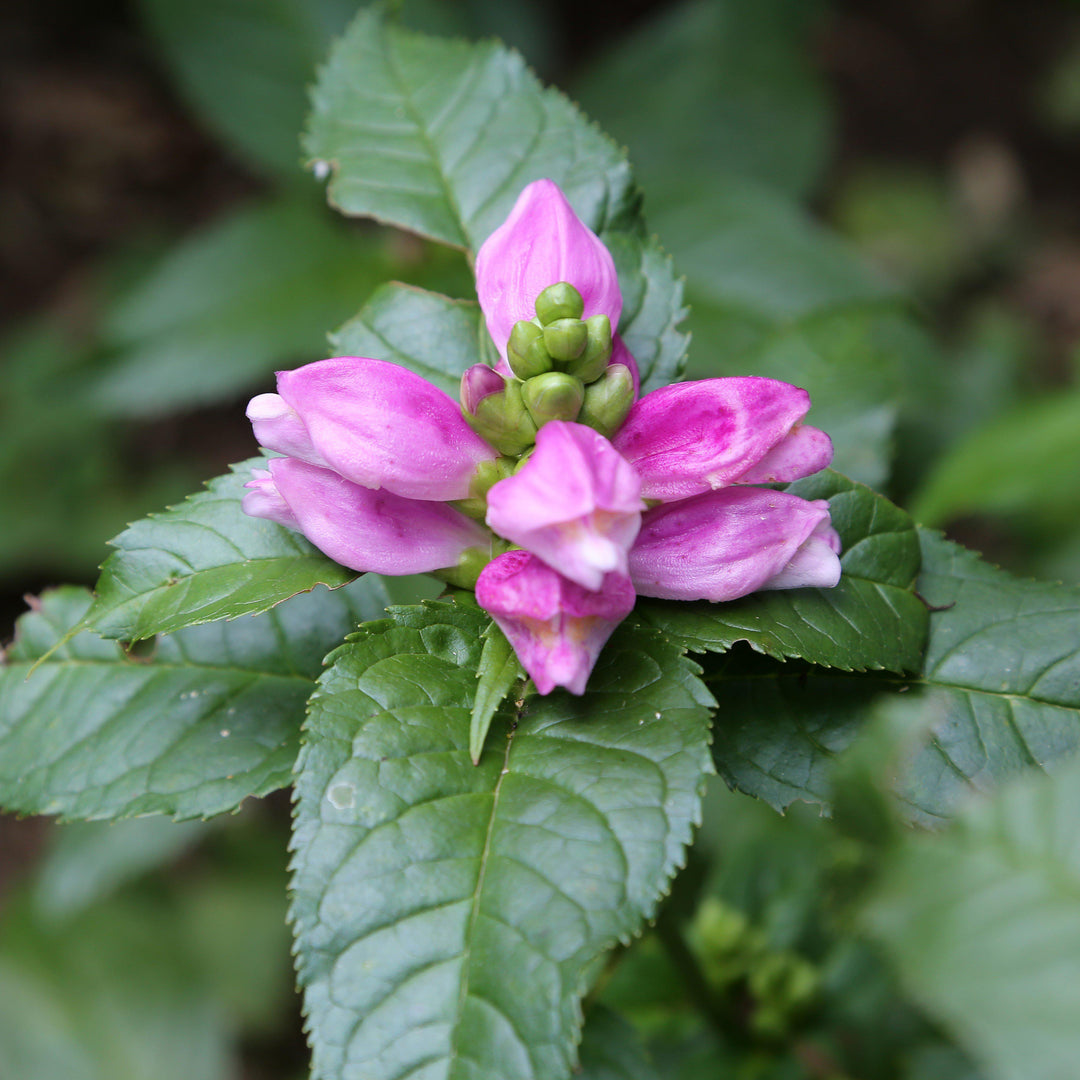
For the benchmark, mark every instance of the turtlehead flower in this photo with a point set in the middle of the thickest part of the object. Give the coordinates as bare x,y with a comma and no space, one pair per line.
557,628
576,503
606,495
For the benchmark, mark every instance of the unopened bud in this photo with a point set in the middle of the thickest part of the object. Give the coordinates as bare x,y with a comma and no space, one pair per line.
479,382
559,301
593,361
553,396
565,339
608,400
525,351
503,420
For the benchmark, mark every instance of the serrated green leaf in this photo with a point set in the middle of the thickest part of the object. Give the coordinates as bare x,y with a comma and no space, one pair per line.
871,619
209,718
652,308
982,922
439,137
430,334
445,912
998,691
497,672
203,560
740,80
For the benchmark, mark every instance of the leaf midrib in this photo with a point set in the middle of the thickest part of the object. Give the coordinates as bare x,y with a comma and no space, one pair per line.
474,914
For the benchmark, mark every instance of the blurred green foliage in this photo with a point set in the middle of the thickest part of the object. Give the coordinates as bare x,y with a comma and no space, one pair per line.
790,948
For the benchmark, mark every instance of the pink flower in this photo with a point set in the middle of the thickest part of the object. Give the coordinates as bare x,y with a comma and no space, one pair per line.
359,527
376,424
576,504
375,455
692,437
542,242
725,544
556,627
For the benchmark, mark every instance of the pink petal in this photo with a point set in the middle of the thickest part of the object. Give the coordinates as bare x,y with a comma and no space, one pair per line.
803,451
263,500
278,427
725,544
556,627
479,382
575,503
815,563
358,527
691,437
542,242
382,426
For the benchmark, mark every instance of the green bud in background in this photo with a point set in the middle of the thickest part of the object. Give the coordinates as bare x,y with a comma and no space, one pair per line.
554,396
525,351
565,339
559,301
503,421
487,475
593,361
608,400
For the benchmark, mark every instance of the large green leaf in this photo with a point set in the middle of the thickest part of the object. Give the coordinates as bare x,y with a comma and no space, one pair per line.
739,79
983,924
252,293
210,717
245,65
446,913
1022,462
872,619
998,691
108,996
439,137
201,561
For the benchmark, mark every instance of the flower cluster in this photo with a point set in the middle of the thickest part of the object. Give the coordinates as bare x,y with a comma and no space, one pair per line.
553,490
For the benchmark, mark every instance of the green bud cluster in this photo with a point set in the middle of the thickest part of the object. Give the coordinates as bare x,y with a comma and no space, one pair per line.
562,360
561,371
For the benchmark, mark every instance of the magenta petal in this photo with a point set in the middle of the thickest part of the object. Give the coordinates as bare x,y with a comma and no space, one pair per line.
803,451
362,528
278,427
556,627
382,426
479,382
691,437
263,500
542,242
724,544
575,503
815,563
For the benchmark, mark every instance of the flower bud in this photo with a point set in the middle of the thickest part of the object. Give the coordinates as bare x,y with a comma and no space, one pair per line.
608,400
593,361
565,339
487,475
559,301
477,383
503,421
553,396
526,353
